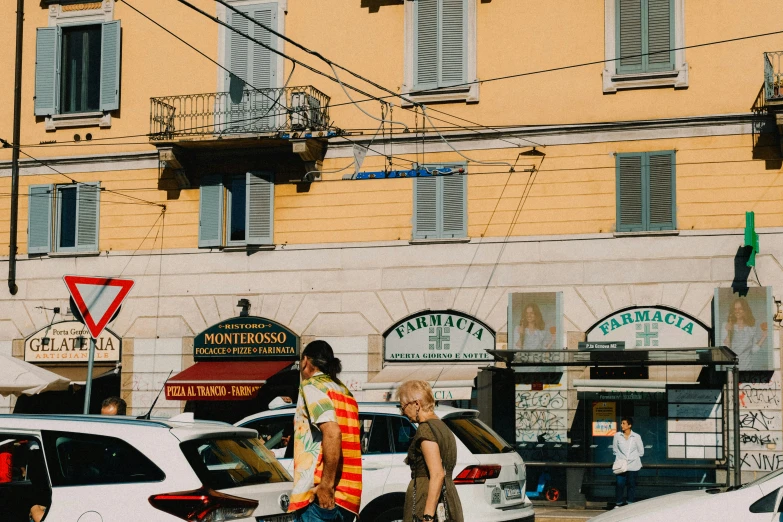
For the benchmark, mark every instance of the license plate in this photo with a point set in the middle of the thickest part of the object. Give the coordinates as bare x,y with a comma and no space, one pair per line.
289,517
512,490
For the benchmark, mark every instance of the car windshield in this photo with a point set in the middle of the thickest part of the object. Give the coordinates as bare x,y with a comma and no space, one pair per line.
763,479
233,462
477,436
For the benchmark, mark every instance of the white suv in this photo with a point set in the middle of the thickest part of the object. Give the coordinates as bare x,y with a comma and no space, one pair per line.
490,475
105,469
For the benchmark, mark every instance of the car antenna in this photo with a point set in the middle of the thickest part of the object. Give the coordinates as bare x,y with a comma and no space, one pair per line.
146,416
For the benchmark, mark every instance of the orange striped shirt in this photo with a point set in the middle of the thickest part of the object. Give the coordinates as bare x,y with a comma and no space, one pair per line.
326,401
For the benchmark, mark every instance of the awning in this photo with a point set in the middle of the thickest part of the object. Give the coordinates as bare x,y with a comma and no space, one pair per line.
449,382
18,377
222,381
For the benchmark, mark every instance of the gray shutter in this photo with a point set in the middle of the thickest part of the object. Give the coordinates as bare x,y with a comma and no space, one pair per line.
110,66
660,35
87,216
425,208
39,219
210,218
260,196
453,205
238,64
263,63
47,47
662,191
426,45
453,39
630,211
628,35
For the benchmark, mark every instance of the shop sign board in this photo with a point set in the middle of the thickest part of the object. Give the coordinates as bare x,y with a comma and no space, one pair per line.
650,327
246,338
439,336
69,341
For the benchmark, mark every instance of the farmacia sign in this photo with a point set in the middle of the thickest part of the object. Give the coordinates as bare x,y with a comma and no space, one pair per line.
439,336
651,327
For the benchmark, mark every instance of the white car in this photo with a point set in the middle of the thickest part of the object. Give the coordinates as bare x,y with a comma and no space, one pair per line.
107,469
490,475
758,501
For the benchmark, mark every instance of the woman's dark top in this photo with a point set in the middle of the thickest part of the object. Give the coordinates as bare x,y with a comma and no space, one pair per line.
434,430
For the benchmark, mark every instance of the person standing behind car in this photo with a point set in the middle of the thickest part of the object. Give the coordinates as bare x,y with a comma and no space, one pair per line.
627,445
113,406
327,448
432,456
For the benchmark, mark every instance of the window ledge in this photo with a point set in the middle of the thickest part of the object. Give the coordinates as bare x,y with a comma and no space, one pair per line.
464,93
68,254
648,233
83,119
677,78
439,240
241,248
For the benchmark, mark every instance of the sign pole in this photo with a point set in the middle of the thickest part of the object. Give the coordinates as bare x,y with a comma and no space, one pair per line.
88,387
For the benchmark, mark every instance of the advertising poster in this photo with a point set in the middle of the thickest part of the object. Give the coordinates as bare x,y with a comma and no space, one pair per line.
535,321
742,324
604,418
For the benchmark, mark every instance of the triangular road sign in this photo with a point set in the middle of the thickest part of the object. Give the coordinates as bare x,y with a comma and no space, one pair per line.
97,298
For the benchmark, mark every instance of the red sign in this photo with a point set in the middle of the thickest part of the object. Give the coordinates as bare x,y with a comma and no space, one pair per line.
97,298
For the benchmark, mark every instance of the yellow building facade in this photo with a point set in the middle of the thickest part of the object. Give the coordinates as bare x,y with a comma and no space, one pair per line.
604,149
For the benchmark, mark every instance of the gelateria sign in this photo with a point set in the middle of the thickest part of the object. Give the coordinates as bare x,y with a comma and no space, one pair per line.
651,327
69,341
439,336
248,338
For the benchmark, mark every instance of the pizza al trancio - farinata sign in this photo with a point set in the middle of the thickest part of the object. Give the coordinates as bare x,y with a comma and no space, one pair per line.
439,336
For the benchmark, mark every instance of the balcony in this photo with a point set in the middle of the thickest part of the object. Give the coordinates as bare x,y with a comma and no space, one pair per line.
773,79
285,128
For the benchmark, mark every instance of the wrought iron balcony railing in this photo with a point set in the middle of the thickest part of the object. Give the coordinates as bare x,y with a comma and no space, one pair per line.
249,112
773,76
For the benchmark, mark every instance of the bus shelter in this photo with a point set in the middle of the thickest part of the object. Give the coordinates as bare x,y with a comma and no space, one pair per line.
692,425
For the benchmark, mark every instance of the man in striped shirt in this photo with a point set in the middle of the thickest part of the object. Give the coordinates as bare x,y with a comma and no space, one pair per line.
327,449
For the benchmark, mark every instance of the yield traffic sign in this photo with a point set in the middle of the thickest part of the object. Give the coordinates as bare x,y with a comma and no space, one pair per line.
97,298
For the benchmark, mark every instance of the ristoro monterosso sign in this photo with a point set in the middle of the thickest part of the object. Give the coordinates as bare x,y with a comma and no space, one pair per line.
439,336
651,327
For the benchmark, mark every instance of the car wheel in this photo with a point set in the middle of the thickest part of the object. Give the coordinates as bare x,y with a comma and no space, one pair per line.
394,514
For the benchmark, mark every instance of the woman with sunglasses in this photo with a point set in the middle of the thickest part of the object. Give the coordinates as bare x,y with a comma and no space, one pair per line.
432,456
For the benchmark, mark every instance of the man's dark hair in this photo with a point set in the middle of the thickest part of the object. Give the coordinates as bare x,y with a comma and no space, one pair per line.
629,420
322,356
118,403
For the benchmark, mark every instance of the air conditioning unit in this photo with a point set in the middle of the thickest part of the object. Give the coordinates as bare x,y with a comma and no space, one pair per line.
306,112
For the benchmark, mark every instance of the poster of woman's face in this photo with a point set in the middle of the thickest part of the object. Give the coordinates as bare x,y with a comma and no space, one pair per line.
742,324
535,321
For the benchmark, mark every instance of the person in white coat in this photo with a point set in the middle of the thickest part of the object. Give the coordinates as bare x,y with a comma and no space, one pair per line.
627,445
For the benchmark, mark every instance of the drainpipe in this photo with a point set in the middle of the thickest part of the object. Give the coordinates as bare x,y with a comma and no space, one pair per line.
15,151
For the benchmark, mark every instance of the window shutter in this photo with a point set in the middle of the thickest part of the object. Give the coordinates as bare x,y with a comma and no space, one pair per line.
39,219
662,191
238,60
46,69
660,35
264,68
210,220
426,44
87,216
454,206
630,211
425,208
629,35
110,66
260,196
453,38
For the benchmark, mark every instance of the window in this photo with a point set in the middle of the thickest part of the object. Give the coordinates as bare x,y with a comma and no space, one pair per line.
237,208
23,478
374,434
646,191
232,463
640,38
63,218
276,434
77,69
402,433
252,67
477,436
440,205
78,459
440,50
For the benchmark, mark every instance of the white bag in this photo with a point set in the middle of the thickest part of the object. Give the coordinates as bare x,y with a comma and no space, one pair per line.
619,466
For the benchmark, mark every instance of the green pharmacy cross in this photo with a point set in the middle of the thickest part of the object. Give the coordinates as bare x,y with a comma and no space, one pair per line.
437,341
